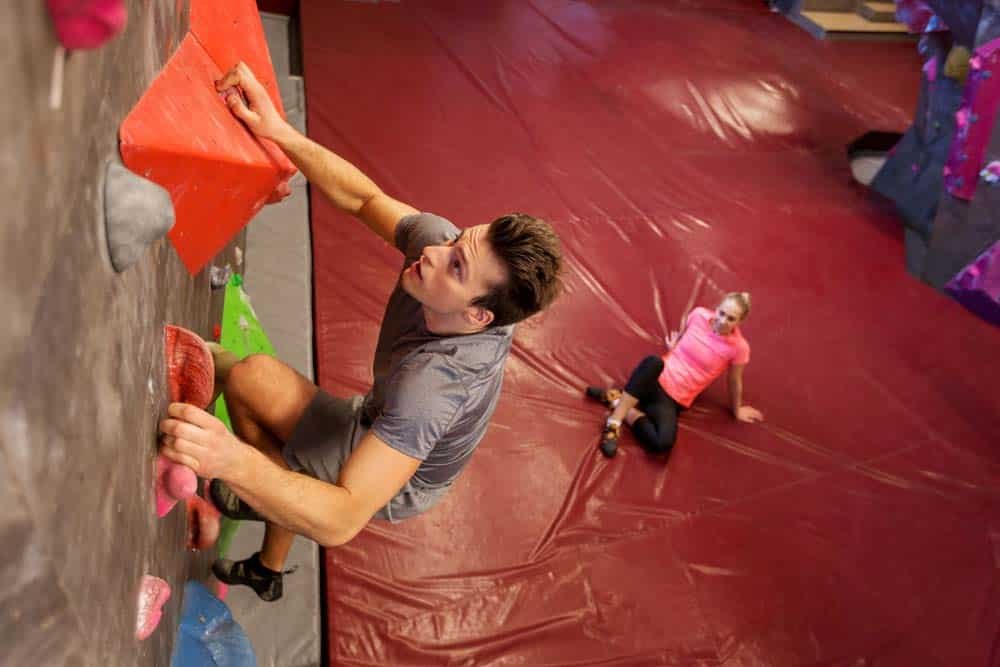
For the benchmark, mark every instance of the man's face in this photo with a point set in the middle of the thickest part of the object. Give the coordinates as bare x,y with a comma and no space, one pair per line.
447,278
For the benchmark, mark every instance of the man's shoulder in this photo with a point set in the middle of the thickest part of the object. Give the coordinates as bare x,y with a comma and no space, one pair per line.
463,359
481,350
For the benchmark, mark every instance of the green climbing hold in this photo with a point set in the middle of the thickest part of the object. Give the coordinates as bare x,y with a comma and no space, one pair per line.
242,335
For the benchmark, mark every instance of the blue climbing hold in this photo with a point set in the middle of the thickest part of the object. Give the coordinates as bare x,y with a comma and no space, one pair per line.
208,635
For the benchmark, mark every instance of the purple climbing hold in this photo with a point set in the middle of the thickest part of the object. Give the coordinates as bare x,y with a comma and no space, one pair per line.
977,286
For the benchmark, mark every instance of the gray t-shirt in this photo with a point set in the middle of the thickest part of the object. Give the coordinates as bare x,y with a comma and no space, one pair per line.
433,395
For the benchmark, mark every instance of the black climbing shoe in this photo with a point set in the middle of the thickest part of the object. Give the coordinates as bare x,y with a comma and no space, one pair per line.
229,503
251,572
609,440
606,395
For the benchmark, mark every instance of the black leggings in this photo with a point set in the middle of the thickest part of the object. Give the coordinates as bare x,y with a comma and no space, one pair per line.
656,431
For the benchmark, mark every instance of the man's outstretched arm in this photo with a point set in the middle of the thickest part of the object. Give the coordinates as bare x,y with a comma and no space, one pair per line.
343,184
330,514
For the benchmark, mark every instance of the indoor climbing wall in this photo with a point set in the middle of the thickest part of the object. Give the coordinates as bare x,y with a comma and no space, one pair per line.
673,145
102,322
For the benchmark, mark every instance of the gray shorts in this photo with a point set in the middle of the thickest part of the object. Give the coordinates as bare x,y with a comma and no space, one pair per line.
325,437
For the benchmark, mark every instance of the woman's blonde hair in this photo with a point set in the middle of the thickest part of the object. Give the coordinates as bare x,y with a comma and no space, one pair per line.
743,299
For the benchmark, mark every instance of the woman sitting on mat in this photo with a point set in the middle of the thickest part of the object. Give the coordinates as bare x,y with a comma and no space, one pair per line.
659,388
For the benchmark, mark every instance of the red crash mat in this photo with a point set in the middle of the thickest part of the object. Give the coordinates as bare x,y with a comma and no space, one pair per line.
682,150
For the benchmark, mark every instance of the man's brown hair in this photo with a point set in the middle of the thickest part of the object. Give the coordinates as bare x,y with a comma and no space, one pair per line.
532,255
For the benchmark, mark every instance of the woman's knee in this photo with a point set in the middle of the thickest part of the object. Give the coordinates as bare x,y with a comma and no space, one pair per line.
662,441
645,377
666,440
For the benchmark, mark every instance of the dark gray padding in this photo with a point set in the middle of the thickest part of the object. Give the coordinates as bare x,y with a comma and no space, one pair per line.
963,230
961,17
915,252
912,175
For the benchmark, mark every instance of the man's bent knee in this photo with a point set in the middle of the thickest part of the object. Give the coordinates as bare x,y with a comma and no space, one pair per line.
251,371
270,392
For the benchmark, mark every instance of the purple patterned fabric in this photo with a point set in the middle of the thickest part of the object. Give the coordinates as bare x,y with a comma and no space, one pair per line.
977,286
918,16
974,121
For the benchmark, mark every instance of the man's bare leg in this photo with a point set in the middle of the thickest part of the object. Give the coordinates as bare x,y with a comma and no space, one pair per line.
277,539
265,399
224,362
277,543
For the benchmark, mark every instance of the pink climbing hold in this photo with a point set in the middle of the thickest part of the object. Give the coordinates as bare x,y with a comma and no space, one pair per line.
180,481
86,24
203,523
174,481
221,590
153,594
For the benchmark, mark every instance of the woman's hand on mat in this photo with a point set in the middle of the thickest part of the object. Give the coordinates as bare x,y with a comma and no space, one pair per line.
749,415
249,101
200,441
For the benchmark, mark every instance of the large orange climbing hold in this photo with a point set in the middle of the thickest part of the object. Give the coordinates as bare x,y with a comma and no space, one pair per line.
231,32
182,136
190,368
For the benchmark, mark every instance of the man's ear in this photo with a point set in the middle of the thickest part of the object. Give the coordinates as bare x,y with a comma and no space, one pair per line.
478,316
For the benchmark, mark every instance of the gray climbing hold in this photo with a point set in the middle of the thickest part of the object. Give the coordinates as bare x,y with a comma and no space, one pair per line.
219,275
137,212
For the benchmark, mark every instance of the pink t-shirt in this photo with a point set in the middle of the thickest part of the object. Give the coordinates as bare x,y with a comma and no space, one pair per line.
700,357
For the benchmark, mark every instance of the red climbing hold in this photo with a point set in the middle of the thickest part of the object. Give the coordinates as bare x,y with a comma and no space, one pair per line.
190,369
182,136
190,379
203,523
